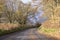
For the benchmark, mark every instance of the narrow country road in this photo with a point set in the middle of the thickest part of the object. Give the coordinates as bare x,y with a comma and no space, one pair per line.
29,34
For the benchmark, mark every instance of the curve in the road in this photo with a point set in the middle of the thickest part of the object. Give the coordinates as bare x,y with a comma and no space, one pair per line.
29,34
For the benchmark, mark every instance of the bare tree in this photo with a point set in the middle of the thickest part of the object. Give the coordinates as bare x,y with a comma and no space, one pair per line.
22,13
2,8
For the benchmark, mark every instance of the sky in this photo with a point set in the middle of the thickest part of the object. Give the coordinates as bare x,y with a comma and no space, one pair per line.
26,1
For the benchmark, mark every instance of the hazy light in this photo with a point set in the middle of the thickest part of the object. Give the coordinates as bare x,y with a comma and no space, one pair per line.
26,1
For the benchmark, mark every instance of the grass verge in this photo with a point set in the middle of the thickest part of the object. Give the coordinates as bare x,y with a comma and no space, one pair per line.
54,32
4,32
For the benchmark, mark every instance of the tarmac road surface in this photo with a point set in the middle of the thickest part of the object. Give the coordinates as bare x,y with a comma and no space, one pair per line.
29,34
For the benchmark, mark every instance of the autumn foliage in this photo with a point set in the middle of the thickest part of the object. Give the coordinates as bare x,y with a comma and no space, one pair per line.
52,11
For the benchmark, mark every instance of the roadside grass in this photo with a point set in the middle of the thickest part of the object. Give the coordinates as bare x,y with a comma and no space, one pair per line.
4,32
49,30
12,28
54,32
